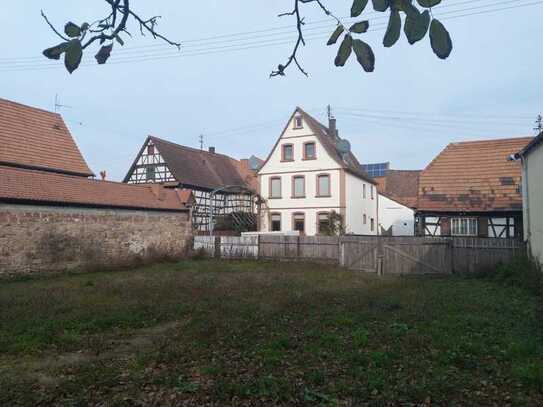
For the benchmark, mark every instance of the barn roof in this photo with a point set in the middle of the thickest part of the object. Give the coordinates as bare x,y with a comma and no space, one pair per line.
199,168
35,138
473,176
400,185
33,186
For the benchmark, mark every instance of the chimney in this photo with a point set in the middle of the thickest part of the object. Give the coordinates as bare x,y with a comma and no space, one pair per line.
212,150
332,127
244,164
103,175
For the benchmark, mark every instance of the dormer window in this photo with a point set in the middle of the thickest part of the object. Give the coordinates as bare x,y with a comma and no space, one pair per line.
298,122
287,153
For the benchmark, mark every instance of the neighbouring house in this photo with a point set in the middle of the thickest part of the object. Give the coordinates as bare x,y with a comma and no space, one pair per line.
471,189
310,174
531,158
225,189
54,217
398,196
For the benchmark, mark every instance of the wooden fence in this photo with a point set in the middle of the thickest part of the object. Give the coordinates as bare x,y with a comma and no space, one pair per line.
377,254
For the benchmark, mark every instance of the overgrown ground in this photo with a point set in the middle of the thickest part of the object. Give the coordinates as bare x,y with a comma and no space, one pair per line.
265,333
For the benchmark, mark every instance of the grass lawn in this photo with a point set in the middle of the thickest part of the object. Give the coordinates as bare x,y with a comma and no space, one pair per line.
246,333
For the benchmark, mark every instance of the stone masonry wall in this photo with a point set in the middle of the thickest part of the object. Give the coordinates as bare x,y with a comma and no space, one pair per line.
49,239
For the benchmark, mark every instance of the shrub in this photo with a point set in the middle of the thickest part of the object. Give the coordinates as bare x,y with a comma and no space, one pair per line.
522,272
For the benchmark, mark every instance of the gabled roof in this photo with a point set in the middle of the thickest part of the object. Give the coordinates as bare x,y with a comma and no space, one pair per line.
198,168
533,144
473,176
33,186
35,138
401,186
329,142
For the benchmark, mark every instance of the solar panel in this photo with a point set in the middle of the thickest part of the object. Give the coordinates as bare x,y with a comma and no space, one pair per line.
376,169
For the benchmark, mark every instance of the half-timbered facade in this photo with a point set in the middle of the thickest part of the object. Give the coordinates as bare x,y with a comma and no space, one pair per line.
225,189
472,189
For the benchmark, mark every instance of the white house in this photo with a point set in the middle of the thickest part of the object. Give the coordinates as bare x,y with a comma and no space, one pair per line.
311,173
395,219
532,195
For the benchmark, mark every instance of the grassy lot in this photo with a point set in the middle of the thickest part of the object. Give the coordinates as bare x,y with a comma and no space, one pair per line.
245,333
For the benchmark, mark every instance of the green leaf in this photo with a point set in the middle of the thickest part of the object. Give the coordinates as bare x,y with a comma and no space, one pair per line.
428,3
119,40
335,35
73,55
440,39
344,51
364,55
103,55
56,51
358,7
416,26
360,27
72,30
393,30
380,5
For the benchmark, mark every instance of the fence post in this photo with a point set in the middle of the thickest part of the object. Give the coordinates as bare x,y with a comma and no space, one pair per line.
258,247
217,247
341,251
451,253
380,256
298,247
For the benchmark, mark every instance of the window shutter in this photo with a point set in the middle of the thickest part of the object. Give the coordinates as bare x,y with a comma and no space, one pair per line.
445,226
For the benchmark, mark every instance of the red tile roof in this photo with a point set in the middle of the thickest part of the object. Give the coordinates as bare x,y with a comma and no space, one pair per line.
401,186
35,138
473,176
23,185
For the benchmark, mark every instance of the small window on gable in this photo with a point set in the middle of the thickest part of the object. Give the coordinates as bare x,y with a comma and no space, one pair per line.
372,196
372,224
310,152
365,219
298,122
275,222
150,149
287,152
364,192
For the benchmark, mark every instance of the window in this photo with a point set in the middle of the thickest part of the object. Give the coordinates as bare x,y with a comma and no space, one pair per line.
372,224
364,191
298,222
371,188
323,185
151,149
298,122
464,227
150,173
288,152
365,219
323,222
275,187
275,222
298,186
310,152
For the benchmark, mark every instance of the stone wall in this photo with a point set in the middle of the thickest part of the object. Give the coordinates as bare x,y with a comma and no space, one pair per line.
50,239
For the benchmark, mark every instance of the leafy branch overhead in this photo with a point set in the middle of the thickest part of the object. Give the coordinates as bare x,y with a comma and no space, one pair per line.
418,21
106,31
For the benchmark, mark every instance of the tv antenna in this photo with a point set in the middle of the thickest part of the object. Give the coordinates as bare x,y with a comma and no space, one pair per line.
58,105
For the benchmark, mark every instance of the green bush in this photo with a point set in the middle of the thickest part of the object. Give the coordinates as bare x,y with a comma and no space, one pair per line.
522,272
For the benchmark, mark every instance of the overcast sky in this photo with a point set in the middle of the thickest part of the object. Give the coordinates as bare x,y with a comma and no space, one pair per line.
405,112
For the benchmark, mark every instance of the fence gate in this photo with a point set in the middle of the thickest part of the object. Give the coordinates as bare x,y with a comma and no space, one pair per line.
360,254
416,255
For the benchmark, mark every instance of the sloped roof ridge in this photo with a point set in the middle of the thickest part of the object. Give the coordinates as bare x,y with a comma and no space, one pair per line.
27,107
195,150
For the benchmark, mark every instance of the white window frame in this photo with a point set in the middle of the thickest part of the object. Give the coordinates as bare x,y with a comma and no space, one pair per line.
464,227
